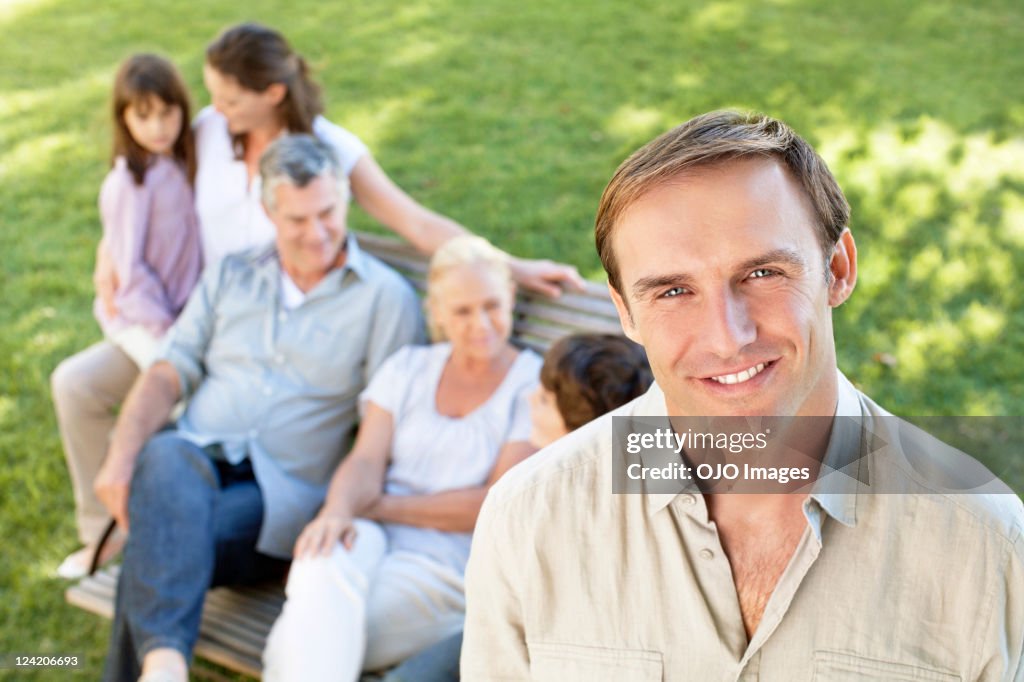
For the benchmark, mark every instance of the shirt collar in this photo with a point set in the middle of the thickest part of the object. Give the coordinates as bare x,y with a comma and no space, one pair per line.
843,466
652,404
355,259
355,262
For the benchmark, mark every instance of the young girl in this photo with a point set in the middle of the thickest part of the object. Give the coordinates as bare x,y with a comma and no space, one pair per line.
151,239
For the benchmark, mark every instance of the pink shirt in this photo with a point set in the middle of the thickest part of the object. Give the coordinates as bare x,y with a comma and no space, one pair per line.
152,236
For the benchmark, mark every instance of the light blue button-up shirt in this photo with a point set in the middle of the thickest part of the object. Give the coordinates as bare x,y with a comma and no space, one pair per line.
280,386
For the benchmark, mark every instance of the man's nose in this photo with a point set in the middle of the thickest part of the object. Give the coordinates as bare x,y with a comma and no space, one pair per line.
727,326
321,230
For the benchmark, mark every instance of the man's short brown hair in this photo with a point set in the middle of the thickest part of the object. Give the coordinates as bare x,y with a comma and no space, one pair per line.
711,139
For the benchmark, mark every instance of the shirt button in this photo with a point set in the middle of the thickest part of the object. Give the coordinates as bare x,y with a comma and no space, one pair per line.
267,390
282,316
688,499
279,359
253,433
707,554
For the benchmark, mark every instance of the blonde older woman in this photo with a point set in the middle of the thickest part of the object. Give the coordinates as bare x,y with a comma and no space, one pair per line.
378,573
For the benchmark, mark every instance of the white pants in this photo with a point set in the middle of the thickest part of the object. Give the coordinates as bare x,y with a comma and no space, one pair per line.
361,609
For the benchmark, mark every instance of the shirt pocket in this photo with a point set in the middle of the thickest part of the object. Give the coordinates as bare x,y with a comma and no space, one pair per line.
834,666
575,663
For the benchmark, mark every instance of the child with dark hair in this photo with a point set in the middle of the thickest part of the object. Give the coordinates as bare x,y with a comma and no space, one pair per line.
584,376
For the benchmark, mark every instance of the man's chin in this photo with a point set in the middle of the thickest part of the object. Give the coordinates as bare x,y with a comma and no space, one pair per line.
755,405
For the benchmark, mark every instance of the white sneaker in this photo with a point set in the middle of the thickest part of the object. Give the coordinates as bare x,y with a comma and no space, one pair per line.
76,564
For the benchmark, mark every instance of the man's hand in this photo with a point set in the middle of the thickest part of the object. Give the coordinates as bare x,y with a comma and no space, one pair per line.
320,534
104,279
111,487
545,276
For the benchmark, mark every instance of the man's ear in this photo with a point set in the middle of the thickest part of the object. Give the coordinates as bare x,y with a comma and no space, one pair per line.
844,269
625,316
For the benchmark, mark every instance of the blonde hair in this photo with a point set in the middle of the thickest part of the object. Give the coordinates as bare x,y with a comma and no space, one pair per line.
456,253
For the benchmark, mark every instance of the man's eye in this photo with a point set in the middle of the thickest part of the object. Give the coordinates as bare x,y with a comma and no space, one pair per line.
762,272
673,292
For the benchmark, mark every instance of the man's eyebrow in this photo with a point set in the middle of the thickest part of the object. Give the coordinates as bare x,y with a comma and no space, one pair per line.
645,285
782,256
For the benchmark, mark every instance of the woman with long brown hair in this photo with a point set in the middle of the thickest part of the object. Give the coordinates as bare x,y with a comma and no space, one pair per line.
261,88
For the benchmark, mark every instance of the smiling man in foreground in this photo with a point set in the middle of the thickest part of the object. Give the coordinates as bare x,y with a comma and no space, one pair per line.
726,247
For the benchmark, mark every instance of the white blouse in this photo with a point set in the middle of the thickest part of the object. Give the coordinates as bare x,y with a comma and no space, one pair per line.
231,217
431,452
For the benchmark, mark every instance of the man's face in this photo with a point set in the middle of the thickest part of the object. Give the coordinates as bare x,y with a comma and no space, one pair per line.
310,224
724,284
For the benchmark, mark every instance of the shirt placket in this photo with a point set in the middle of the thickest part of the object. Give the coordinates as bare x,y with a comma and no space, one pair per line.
273,332
718,587
714,580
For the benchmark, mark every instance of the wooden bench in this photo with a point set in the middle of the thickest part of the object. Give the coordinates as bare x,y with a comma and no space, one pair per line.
236,621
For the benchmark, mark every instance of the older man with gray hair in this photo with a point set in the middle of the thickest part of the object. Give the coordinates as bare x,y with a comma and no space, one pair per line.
271,352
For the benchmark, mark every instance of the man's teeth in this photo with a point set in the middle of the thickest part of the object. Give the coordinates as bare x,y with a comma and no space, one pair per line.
740,377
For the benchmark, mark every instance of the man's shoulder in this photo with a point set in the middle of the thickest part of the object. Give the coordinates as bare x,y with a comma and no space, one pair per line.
249,260
915,489
569,467
949,489
382,276
575,471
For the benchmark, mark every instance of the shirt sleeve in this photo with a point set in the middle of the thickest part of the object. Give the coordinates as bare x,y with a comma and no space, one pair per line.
347,146
494,644
1014,612
520,424
388,385
186,343
397,322
999,643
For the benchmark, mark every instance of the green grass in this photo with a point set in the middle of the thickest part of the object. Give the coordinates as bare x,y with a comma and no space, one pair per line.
511,118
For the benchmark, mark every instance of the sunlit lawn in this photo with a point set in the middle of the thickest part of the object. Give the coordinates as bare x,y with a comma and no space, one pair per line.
510,118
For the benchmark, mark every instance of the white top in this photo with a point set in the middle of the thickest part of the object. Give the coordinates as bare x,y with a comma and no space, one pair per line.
231,217
291,295
431,452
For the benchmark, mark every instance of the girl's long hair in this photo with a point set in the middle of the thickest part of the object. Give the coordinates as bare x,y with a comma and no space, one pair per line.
139,78
257,57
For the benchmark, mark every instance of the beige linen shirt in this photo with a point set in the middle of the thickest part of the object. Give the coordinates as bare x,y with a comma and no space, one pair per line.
567,581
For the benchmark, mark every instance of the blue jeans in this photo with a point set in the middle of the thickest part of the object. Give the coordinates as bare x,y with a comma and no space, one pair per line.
194,524
439,663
